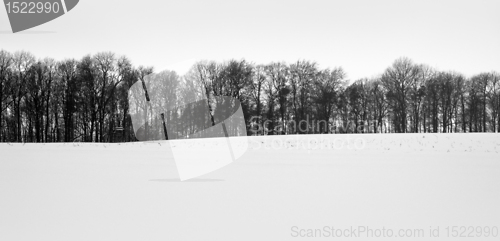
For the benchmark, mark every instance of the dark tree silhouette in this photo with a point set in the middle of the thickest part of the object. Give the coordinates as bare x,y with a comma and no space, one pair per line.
44,100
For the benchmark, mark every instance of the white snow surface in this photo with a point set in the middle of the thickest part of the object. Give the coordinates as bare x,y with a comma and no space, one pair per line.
131,191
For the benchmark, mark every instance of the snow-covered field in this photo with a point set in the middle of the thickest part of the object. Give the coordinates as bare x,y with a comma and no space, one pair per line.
282,187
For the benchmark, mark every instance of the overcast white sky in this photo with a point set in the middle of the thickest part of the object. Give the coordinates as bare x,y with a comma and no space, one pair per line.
364,36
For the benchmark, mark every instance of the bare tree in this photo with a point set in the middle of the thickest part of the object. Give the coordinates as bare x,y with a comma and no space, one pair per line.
303,75
327,86
256,90
493,99
276,89
398,79
6,61
22,63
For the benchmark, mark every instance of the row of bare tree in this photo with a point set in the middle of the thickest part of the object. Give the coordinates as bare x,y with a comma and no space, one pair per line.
43,100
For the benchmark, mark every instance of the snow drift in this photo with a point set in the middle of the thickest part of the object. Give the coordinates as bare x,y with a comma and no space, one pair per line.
131,191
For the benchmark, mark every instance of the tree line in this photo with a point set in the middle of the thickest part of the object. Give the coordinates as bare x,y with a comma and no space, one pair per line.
87,100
